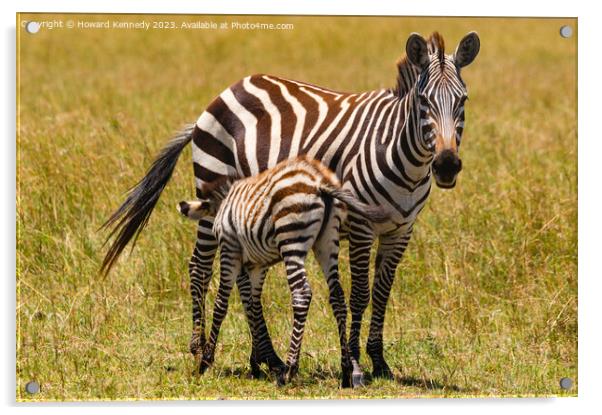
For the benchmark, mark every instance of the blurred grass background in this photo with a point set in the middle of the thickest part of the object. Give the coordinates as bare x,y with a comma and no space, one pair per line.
485,303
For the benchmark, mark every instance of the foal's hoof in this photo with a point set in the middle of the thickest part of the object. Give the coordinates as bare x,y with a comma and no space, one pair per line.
382,371
281,377
207,359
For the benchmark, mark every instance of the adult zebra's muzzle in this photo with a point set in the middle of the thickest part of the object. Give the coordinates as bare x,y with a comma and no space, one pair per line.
446,167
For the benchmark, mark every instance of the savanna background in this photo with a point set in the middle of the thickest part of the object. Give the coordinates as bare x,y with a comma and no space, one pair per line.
485,301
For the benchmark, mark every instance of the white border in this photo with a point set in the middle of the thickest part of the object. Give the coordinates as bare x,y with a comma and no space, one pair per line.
590,139
337,7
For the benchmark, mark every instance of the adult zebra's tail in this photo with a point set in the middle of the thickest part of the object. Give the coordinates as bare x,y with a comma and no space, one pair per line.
133,214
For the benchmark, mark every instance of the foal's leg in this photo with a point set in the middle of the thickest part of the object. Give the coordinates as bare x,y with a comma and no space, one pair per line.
301,299
327,254
263,350
230,266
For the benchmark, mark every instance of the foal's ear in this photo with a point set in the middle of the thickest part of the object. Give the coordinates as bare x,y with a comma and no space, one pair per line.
417,51
467,50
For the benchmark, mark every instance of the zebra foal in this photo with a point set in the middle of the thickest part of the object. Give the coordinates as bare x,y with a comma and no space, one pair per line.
279,215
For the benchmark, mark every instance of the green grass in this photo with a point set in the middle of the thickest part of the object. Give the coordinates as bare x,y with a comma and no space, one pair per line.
485,301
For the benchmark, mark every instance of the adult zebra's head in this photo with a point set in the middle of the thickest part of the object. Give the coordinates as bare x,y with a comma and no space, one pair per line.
442,95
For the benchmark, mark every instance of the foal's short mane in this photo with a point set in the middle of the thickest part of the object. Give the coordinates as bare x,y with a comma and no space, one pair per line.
407,74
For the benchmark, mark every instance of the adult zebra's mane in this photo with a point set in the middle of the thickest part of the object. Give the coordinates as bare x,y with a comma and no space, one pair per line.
407,74
437,47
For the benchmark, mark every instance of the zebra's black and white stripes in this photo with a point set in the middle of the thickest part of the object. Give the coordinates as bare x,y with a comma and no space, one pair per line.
382,144
279,215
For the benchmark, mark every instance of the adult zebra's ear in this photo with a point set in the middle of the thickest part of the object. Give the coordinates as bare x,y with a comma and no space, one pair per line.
467,49
417,51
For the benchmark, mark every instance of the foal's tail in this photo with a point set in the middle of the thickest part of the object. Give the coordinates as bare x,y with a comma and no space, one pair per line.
133,214
377,214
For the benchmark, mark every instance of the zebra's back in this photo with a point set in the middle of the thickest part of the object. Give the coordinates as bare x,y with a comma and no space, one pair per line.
279,210
262,120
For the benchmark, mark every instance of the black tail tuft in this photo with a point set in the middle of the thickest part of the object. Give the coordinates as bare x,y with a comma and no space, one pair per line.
184,208
133,215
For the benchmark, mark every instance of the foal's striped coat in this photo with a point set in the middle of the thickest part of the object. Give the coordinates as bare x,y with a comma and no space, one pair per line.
280,215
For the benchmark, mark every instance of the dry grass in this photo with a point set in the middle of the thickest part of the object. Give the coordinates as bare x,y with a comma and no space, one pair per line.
485,302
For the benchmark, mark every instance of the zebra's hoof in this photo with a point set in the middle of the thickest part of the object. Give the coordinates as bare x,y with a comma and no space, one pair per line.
281,379
256,372
346,374
346,381
203,367
281,375
207,360
382,371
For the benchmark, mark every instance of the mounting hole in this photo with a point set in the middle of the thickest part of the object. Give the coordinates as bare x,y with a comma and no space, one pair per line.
566,31
32,27
32,387
566,383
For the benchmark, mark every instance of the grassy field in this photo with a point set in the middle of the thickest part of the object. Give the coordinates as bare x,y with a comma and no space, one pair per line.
485,301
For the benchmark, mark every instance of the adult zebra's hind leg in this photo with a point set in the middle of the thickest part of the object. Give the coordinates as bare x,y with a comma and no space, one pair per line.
230,267
200,269
390,250
327,254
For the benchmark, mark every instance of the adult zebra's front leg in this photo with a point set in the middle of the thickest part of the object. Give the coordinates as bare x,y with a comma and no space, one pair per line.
390,250
361,238
200,269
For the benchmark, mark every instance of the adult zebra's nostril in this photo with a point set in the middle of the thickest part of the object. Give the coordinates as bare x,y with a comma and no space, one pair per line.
437,165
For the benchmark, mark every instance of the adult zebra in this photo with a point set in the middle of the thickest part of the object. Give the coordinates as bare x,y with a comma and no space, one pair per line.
382,144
